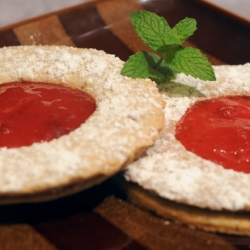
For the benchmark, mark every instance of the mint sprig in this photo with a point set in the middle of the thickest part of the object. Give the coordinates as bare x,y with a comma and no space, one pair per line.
170,56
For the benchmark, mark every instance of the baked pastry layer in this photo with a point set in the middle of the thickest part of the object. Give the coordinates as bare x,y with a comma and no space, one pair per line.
237,223
127,120
170,171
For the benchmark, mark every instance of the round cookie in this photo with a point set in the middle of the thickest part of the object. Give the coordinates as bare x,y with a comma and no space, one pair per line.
127,120
171,172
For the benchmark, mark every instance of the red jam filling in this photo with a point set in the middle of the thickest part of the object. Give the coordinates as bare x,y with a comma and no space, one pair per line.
218,130
36,112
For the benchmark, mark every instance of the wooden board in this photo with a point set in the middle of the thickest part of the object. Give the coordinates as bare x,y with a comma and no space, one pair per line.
100,217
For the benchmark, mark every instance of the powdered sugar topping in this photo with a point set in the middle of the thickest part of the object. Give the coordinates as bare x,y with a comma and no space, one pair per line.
125,121
172,172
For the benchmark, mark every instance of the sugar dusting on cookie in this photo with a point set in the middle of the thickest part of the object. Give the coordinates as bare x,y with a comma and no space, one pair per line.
128,118
172,172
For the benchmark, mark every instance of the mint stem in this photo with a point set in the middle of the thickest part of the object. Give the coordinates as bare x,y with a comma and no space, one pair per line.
158,63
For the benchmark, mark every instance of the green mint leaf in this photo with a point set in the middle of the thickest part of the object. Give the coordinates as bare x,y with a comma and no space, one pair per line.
190,61
172,57
141,65
162,68
184,29
153,30
170,39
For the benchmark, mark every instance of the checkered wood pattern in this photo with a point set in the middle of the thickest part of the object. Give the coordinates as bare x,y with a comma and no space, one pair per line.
97,218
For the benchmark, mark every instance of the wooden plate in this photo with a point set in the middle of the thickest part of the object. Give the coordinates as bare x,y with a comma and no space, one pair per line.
100,218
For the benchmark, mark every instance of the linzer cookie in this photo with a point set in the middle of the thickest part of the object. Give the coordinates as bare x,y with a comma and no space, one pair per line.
198,171
49,146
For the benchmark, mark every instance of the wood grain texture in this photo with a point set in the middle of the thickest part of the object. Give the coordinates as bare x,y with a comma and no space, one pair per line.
22,236
47,31
8,38
156,233
89,220
87,29
116,16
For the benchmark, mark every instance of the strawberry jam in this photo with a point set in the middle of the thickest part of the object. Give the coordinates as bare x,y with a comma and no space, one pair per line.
218,130
36,112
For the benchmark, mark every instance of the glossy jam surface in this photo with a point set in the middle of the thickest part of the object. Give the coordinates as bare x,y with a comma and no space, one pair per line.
36,112
218,130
